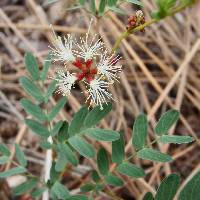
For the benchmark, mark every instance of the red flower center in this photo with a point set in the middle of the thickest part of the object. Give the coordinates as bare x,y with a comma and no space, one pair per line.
87,71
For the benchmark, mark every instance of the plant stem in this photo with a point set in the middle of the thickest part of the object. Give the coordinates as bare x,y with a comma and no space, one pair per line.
126,33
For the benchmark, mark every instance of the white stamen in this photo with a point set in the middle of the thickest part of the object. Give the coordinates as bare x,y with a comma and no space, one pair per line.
89,49
98,92
65,81
108,68
62,50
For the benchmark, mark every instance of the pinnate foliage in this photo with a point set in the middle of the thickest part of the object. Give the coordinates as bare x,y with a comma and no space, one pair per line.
103,6
170,185
167,7
73,139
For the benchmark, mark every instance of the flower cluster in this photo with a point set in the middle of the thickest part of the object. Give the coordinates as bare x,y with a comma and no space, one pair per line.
136,20
92,65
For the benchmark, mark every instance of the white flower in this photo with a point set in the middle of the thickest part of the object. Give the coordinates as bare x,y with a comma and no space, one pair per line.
94,66
107,67
62,50
65,81
89,49
98,92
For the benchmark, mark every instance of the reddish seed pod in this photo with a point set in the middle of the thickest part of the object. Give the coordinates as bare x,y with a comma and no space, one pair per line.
132,23
132,18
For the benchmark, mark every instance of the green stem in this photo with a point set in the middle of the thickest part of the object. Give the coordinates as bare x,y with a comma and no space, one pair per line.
141,27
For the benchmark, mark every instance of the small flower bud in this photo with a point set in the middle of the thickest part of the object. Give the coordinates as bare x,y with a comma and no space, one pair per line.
139,14
136,20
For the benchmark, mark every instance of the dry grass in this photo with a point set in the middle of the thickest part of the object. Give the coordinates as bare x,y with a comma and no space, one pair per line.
161,71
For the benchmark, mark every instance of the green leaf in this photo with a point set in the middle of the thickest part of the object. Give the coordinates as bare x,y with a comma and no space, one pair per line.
25,187
87,187
45,144
33,109
93,6
82,2
164,8
54,175
102,161
77,121
4,150
57,128
102,7
82,146
131,170
102,134
153,155
148,196
160,3
191,190
156,15
118,10
3,160
51,88
45,68
139,134
96,114
69,154
61,162
99,187
20,156
37,128
118,147
32,66
95,176
59,191
168,188
31,88
169,4
113,180
13,171
63,132
37,192
136,2
60,104
166,121
77,197
187,2
175,139
112,3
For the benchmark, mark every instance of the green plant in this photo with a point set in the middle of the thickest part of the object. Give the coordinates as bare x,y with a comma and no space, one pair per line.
68,141
169,187
99,8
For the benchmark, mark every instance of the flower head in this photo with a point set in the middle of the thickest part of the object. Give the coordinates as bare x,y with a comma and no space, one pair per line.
62,50
94,66
65,81
89,49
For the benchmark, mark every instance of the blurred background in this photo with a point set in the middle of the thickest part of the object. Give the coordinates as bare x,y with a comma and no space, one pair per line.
161,70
